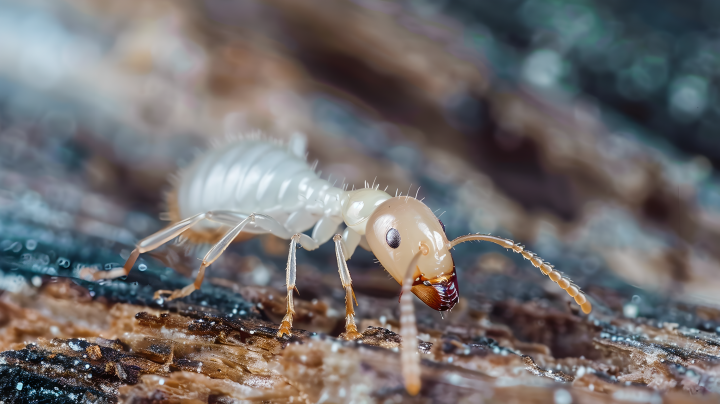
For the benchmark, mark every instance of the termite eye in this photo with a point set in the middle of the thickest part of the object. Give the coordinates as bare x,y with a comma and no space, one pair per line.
442,225
393,238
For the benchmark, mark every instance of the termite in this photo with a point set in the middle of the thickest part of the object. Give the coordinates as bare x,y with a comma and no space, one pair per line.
256,185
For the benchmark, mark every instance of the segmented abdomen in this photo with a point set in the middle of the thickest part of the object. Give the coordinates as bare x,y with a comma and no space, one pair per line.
248,176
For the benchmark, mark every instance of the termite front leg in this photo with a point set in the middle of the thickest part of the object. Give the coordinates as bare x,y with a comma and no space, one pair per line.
547,269
351,331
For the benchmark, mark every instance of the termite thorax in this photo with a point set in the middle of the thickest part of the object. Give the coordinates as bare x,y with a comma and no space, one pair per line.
358,205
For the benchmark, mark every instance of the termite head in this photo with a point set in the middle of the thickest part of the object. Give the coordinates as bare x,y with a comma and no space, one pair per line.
401,227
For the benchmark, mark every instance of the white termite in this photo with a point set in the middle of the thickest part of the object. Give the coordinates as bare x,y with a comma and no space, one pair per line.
256,185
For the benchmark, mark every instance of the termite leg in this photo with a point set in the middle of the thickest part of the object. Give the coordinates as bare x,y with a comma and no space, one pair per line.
148,244
351,331
324,228
547,269
178,293
286,325
209,258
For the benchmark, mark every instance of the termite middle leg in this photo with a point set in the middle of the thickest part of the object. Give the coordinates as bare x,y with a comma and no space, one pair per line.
349,244
323,230
291,274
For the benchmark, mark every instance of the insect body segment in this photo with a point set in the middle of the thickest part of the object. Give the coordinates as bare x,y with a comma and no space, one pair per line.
402,226
254,186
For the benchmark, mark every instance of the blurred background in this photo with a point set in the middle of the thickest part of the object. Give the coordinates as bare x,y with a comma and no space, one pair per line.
587,130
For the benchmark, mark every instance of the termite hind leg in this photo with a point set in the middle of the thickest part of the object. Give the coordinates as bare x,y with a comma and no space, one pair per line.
351,331
148,244
290,276
209,258
178,293
117,272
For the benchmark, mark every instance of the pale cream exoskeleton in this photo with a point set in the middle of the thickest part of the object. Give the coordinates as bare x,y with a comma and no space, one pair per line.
255,185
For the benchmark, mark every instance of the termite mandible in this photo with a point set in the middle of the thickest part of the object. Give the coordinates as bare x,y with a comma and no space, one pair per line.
255,185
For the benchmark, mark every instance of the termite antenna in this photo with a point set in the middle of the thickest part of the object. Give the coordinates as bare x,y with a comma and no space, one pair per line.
547,269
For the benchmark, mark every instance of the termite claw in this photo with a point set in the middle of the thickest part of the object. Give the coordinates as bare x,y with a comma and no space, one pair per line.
284,330
158,294
350,335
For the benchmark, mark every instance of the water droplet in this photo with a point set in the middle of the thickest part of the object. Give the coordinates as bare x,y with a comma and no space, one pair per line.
36,281
19,386
142,267
31,245
261,275
630,310
688,97
543,68
562,397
